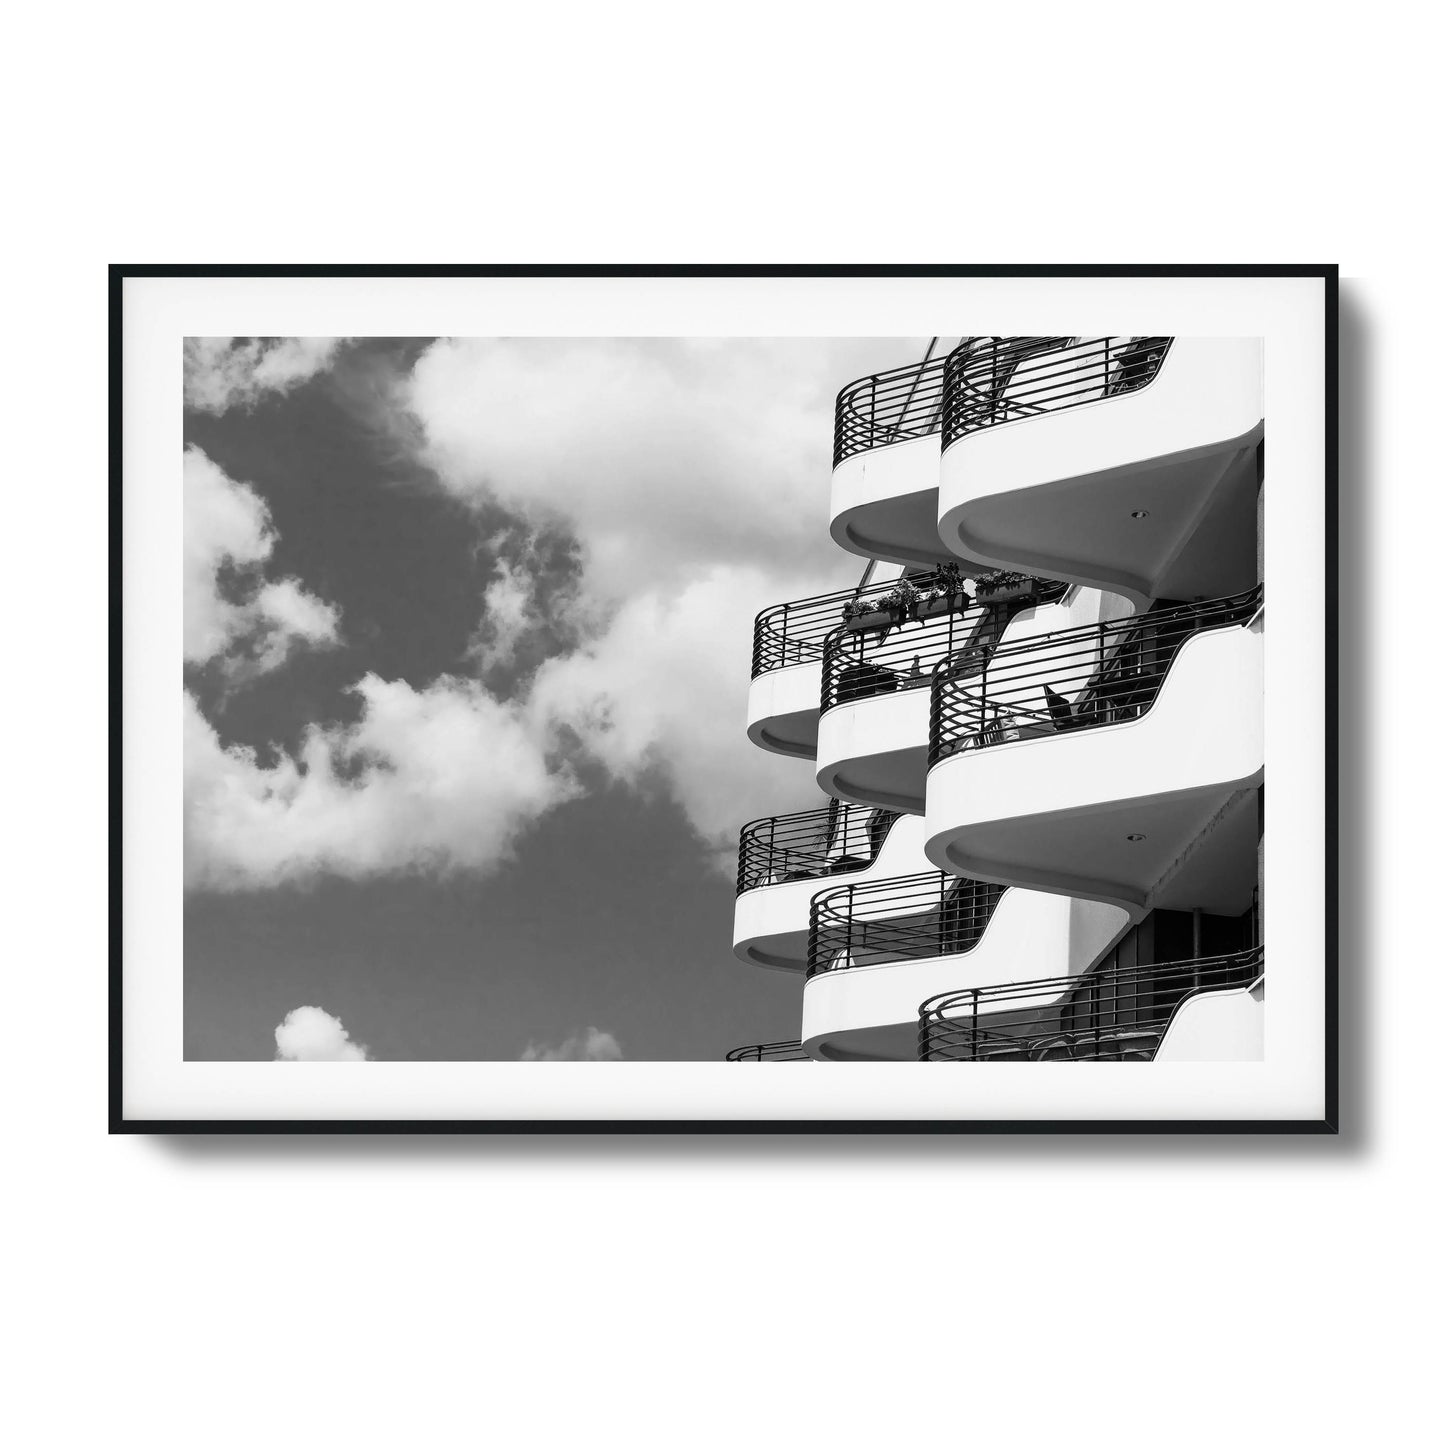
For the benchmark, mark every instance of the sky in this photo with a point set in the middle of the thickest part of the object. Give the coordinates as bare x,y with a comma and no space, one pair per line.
467,634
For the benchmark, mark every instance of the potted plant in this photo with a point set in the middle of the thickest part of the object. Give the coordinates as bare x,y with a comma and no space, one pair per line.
864,614
944,595
901,600
1001,586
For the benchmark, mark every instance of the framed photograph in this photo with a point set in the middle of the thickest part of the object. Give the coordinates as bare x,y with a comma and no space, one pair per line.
684,667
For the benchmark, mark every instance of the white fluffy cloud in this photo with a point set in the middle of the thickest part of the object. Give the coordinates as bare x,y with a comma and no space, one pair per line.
592,1047
310,1035
662,692
515,605
658,455
438,780
226,371
231,610
694,476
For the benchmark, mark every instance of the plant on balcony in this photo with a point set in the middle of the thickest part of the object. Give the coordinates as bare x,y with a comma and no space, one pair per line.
893,608
864,615
1004,586
945,595
900,600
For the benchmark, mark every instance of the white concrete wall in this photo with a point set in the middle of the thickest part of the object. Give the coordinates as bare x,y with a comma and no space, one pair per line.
1217,1028
1031,935
872,489
1209,391
1169,751
783,702
1052,492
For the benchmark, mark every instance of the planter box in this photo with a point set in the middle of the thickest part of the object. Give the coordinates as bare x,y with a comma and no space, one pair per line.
1010,592
872,621
940,606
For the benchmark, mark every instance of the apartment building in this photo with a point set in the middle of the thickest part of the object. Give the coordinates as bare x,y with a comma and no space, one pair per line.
1036,724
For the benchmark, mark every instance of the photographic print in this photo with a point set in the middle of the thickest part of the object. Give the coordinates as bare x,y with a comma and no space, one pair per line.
682,668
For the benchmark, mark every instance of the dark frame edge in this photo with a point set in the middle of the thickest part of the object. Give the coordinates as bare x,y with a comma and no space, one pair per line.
1332,699
118,1123
115,913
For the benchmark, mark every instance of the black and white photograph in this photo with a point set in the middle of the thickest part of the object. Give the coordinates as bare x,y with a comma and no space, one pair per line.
714,698
886,539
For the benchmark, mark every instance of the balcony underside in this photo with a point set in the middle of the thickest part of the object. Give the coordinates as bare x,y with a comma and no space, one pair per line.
896,529
783,710
1137,812
885,1043
786,951
1196,849
859,757
1197,539
885,504
1057,493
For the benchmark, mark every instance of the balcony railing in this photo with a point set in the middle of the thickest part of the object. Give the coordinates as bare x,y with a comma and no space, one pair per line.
841,838
1081,677
868,656
794,632
990,380
889,406
923,915
787,1052
1115,1016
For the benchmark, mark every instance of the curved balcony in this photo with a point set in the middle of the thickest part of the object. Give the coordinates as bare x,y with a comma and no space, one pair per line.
885,464
1130,463
785,862
1114,1015
876,949
788,1051
872,739
1118,761
788,646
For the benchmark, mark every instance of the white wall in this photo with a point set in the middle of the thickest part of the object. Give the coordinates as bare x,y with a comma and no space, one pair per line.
1216,1028
1165,753
786,696
1209,390
1031,935
885,502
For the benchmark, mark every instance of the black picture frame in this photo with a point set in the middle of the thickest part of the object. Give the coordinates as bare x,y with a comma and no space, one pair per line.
1328,1123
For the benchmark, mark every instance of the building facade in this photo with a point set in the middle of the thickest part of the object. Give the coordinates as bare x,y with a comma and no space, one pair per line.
1036,724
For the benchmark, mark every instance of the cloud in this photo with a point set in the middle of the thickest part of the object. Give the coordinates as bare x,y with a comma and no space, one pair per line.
527,608
437,780
310,1035
593,1047
659,455
661,694
663,492
694,477
226,371
232,611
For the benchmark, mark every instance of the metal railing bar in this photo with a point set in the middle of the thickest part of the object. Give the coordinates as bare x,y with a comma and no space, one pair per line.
1074,678
922,915
784,1051
1108,1014
990,381
820,843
